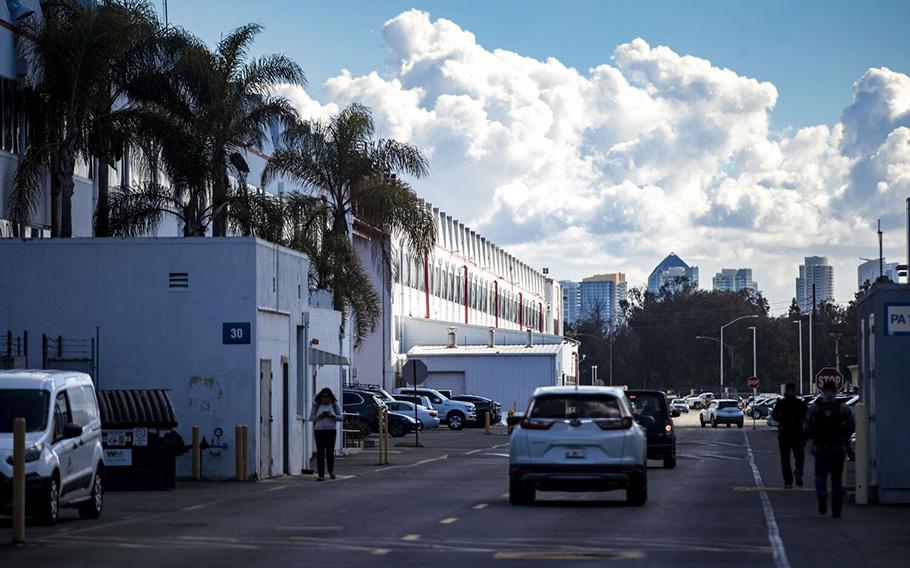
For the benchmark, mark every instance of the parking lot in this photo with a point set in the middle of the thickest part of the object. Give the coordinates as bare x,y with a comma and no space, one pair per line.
447,503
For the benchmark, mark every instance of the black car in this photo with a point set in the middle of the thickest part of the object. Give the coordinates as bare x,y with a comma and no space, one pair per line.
653,413
367,405
482,404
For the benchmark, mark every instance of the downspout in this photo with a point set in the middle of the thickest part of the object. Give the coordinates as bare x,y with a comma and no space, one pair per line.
496,302
426,284
521,312
465,293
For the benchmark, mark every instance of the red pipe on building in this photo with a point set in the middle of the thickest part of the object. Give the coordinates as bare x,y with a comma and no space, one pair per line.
540,316
465,293
521,313
426,282
496,302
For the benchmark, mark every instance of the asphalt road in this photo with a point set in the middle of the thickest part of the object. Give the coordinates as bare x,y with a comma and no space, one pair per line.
446,504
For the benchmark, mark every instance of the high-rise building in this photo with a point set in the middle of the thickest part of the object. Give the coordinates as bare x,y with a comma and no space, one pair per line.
571,301
869,272
603,292
818,272
672,271
734,280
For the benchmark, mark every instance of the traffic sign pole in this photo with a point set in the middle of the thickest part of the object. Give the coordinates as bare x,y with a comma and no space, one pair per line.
753,382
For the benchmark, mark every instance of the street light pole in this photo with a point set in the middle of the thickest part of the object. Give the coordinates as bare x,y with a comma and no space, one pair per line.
801,387
754,369
753,316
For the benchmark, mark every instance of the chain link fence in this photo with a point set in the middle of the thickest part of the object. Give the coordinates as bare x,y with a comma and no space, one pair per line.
14,351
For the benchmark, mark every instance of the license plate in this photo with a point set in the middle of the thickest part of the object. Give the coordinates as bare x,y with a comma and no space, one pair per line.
579,453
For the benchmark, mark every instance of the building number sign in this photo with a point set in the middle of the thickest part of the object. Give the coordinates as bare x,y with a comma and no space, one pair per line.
235,333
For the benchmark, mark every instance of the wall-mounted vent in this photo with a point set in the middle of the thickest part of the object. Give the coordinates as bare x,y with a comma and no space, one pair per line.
178,280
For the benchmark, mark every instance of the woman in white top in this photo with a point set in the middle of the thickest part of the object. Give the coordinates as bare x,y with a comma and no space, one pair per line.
325,415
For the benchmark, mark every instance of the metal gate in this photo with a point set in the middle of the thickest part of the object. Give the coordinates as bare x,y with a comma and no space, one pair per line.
68,354
14,351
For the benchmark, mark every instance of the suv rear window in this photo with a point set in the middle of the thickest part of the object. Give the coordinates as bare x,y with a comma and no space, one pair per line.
648,403
575,406
727,404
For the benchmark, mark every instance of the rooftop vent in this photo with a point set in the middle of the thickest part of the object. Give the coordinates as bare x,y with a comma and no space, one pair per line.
451,343
491,338
529,342
178,280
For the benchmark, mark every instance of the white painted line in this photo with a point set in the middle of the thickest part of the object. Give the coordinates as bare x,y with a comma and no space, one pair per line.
448,521
777,544
479,506
422,462
497,454
381,551
411,537
473,452
308,528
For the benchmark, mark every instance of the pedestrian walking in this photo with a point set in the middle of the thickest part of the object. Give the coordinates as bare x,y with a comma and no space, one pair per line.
325,415
790,415
829,424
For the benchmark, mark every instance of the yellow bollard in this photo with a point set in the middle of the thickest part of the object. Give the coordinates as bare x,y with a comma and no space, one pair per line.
238,455
197,455
245,452
486,422
19,481
862,454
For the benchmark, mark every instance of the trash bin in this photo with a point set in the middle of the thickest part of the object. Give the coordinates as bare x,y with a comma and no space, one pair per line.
139,439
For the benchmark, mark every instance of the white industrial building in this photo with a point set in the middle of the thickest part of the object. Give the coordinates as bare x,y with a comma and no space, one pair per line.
474,285
229,326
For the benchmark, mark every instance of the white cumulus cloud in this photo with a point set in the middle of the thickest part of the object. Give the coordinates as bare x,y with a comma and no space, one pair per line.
613,167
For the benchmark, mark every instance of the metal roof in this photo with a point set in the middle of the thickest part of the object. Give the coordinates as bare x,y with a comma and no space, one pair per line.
150,408
442,350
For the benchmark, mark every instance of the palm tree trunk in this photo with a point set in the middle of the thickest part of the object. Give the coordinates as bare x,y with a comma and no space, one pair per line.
67,167
219,196
103,210
55,198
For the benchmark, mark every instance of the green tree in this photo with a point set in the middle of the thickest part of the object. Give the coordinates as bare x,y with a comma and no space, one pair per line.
354,174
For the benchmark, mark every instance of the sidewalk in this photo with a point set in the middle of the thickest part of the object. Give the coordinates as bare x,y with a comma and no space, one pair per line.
866,535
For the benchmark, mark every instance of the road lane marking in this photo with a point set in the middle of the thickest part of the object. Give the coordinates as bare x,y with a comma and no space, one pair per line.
499,455
777,543
479,506
448,521
411,537
422,462
505,495
588,554
781,489
336,528
473,452
381,551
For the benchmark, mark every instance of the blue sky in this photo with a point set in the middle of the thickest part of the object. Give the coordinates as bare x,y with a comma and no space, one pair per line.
812,51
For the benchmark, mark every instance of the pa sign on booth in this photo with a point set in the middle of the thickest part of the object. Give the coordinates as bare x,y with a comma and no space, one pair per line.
897,319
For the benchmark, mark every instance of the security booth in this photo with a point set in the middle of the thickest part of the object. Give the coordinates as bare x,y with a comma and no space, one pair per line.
139,439
883,315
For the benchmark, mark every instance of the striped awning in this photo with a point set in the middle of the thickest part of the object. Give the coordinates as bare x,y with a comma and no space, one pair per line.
320,357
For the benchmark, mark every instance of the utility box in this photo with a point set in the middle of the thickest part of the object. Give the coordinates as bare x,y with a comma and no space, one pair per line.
883,315
139,439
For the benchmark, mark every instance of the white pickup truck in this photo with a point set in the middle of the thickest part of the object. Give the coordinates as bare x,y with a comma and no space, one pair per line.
453,412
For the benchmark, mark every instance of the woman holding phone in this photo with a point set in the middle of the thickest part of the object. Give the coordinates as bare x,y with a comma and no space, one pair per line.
325,415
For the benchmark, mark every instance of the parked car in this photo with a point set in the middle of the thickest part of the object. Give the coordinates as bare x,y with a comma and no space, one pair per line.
578,439
416,399
721,411
482,404
377,391
454,413
428,418
761,408
680,405
400,424
700,401
652,412
365,404
64,464
446,393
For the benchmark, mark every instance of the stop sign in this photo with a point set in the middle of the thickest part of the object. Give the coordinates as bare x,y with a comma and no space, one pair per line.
829,374
753,382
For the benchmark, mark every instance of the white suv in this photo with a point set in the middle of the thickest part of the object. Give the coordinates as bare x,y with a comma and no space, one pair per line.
453,412
63,457
578,439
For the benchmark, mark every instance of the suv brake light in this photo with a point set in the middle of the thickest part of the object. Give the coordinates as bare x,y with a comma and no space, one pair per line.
615,423
668,428
535,424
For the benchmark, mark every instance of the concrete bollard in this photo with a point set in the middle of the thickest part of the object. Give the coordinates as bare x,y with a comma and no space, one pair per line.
197,455
19,481
861,414
486,422
238,452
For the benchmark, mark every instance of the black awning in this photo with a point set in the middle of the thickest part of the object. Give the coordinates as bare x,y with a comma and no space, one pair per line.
148,408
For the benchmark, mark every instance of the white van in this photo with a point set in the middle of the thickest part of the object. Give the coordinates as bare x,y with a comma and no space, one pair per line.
63,459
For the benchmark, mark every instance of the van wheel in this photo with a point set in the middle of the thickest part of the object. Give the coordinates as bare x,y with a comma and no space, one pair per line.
455,421
49,508
520,493
91,509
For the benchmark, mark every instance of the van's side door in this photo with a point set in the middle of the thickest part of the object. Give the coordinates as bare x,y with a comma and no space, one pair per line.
85,413
66,450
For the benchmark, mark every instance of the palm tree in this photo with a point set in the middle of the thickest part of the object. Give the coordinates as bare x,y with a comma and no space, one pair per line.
357,175
68,55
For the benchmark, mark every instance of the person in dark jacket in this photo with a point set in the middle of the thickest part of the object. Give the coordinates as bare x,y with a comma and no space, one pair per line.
790,414
829,424
325,415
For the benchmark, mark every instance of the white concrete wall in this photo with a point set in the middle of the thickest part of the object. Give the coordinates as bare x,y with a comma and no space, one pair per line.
418,331
153,336
373,358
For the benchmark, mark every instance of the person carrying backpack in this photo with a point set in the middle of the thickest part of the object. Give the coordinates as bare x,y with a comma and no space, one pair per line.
790,414
829,424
